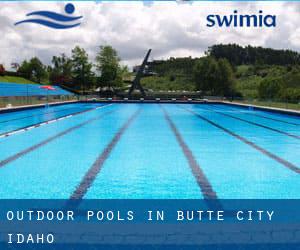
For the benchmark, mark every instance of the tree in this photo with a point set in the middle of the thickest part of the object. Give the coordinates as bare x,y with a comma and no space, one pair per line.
81,69
107,64
214,76
2,70
270,88
38,70
224,84
238,55
33,70
205,73
61,71
25,69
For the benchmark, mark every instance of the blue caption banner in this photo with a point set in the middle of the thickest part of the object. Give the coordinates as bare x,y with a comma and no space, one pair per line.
150,224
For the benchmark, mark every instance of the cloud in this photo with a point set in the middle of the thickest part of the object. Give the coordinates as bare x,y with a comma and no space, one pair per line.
169,28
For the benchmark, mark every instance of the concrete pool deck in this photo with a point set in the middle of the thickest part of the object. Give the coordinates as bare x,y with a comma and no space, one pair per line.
109,100
32,106
265,108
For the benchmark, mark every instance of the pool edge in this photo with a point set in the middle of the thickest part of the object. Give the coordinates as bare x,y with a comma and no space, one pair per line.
242,105
34,106
263,108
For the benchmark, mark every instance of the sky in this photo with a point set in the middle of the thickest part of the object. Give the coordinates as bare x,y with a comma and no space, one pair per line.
171,29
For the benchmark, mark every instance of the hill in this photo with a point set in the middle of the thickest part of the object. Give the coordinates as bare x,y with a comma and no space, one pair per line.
272,82
15,79
238,55
257,73
171,74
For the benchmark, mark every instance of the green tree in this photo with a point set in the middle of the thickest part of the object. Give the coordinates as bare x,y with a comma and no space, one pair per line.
33,70
38,70
81,69
108,65
238,55
270,88
205,74
213,76
25,69
61,71
224,83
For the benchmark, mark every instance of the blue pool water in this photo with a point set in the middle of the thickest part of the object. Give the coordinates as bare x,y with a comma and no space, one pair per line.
149,151
17,120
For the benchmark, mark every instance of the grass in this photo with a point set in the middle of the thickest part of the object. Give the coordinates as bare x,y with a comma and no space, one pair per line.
15,79
165,83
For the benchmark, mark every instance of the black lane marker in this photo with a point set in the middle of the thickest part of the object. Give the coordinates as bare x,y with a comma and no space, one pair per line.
38,114
283,162
203,182
50,139
273,119
266,117
49,121
256,124
94,170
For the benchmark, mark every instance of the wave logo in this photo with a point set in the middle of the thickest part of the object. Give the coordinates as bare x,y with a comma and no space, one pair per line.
54,20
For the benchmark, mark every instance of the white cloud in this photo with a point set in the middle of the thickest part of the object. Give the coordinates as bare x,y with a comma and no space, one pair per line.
170,29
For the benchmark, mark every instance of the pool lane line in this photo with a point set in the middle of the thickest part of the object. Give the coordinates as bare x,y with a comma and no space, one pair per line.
266,117
201,179
273,119
95,169
38,114
50,139
280,160
256,124
23,129
29,127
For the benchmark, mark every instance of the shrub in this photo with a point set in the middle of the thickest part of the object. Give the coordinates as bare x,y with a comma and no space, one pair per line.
269,88
172,78
290,95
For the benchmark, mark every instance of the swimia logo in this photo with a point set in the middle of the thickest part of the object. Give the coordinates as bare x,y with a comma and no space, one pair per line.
239,20
54,20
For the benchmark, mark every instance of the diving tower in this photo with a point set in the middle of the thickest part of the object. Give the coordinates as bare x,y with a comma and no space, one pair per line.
136,82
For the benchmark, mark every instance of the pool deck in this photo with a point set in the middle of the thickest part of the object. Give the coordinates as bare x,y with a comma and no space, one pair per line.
19,108
263,108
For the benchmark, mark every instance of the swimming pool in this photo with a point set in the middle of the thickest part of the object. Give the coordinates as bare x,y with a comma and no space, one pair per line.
173,151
